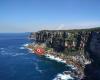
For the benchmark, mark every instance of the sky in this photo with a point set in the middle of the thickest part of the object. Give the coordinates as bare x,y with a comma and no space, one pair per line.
34,15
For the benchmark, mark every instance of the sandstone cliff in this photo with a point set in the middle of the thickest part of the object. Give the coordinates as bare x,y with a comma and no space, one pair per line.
75,42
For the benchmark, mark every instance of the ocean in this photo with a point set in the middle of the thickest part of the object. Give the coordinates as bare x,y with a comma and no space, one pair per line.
18,63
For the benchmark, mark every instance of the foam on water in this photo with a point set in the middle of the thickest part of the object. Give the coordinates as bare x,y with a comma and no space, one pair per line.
63,77
1,48
72,66
6,53
37,68
25,45
2,51
59,60
18,54
22,48
55,58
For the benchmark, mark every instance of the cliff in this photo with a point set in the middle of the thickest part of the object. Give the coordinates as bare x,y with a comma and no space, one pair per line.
75,43
92,71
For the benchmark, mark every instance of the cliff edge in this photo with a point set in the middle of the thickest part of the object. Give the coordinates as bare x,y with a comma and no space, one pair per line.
84,43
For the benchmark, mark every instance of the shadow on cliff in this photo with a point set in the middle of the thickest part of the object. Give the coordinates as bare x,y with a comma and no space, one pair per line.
92,71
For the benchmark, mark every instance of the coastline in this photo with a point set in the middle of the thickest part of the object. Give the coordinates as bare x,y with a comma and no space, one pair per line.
70,61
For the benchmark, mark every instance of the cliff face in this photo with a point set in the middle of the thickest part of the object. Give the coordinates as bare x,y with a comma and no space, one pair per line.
92,71
53,39
75,42
62,40
95,44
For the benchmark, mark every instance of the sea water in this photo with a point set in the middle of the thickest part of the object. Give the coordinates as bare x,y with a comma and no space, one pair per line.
17,63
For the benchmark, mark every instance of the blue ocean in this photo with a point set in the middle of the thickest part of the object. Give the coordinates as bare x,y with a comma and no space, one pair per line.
18,63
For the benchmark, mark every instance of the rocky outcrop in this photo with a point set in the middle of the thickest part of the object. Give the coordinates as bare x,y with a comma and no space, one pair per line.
75,42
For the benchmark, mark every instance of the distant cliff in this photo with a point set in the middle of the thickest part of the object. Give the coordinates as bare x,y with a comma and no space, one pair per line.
75,42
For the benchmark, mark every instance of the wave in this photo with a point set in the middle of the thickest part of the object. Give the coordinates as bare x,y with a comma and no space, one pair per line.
4,53
25,45
18,54
59,60
55,58
1,48
37,68
21,48
60,76
63,77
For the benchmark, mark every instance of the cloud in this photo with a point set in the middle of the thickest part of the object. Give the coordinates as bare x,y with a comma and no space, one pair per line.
62,26
32,27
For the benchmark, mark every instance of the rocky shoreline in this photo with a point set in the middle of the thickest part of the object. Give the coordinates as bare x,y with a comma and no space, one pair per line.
80,48
77,63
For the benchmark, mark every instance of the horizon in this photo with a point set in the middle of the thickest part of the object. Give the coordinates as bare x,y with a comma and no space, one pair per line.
45,29
18,16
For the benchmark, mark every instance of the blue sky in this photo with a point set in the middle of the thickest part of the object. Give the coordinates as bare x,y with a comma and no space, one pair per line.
33,15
